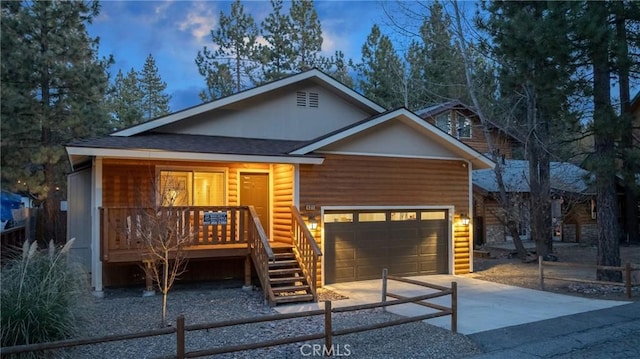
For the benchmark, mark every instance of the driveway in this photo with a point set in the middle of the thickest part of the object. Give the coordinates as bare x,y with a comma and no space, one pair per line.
482,305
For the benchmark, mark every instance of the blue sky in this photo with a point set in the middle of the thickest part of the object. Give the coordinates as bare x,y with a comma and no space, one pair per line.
174,31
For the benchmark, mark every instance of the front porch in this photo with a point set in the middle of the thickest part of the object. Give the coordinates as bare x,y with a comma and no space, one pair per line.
287,270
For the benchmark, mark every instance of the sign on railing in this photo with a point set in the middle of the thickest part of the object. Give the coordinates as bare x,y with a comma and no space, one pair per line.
211,218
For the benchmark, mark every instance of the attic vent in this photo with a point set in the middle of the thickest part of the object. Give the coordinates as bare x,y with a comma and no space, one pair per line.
301,99
313,99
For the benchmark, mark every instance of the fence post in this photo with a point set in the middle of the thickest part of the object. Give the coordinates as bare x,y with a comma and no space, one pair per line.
328,328
454,307
180,337
627,279
541,272
385,272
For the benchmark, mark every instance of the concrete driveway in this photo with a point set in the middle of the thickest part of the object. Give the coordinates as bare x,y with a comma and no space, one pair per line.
482,305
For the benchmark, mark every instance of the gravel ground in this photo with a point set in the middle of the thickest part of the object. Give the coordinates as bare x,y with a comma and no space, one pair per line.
503,267
126,311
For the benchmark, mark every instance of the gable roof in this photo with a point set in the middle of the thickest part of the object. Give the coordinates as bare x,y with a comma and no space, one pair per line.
435,110
402,114
314,75
564,176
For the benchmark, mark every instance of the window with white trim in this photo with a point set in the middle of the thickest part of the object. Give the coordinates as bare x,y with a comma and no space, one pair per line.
464,126
192,188
443,122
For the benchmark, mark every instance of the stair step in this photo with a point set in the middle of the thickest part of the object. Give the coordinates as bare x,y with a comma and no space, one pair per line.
284,271
293,288
287,255
294,298
286,280
284,263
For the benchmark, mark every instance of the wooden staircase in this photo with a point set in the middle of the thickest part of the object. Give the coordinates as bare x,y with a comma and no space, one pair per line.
288,283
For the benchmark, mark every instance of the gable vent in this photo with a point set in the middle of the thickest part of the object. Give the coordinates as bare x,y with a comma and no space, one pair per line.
313,99
301,99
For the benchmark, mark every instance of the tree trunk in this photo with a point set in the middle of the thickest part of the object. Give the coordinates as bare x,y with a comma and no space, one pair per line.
605,155
504,199
629,166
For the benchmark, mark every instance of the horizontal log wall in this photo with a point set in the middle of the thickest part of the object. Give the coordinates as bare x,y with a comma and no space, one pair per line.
282,201
382,181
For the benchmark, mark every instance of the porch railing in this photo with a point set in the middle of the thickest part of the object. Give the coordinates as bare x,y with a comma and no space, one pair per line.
306,248
261,253
123,228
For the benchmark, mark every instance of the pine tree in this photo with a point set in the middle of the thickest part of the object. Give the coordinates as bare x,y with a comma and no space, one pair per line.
536,83
53,87
381,71
154,101
232,66
125,100
306,35
443,69
338,68
277,56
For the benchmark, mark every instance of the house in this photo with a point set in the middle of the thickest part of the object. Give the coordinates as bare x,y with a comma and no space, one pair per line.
572,207
462,123
300,182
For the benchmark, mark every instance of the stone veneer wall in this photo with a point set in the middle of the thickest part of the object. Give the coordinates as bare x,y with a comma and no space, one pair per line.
589,234
495,234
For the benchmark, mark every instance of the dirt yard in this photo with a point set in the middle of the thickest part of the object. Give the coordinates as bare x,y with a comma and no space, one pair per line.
503,267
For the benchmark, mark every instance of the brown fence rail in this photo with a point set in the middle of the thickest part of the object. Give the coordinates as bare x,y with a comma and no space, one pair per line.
327,334
626,270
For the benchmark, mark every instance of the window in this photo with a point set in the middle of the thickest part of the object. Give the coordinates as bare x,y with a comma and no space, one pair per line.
443,122
403,216
192,188
464,126
338,217
372,217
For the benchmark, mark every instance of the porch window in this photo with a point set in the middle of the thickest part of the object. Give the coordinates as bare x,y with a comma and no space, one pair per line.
443,122
464,126
192,188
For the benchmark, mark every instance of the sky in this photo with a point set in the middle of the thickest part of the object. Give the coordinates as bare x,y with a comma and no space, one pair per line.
174,31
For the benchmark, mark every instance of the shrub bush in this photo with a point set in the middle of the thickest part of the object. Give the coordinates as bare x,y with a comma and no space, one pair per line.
41,297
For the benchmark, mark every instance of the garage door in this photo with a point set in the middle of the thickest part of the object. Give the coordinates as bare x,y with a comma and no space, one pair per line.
359,244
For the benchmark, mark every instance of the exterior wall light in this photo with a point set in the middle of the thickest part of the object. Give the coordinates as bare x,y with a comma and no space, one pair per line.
312,224
464,219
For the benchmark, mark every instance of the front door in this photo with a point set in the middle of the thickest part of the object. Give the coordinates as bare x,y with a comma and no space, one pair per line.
254,191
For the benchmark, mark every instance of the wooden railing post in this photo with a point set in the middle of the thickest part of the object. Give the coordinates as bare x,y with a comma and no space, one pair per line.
541,272
180,352
454,307
627,279
328,328
385,272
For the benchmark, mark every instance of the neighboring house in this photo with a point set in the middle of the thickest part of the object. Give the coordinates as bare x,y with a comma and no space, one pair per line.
572,206
300,182
461,122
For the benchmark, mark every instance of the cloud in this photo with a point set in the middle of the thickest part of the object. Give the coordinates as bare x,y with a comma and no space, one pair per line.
199,20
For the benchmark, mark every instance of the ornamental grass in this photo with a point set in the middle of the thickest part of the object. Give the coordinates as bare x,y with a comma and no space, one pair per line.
43,297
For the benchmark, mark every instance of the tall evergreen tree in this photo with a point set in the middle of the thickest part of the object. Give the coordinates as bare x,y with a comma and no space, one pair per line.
306,35
536,83
227,68
155,102
125,100
381,71
53,87
277,56
338,67
443,67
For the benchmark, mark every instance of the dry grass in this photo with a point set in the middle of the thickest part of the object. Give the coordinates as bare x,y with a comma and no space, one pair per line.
502,267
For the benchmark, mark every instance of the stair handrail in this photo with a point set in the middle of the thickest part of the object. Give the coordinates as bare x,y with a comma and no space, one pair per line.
261,253
306,249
